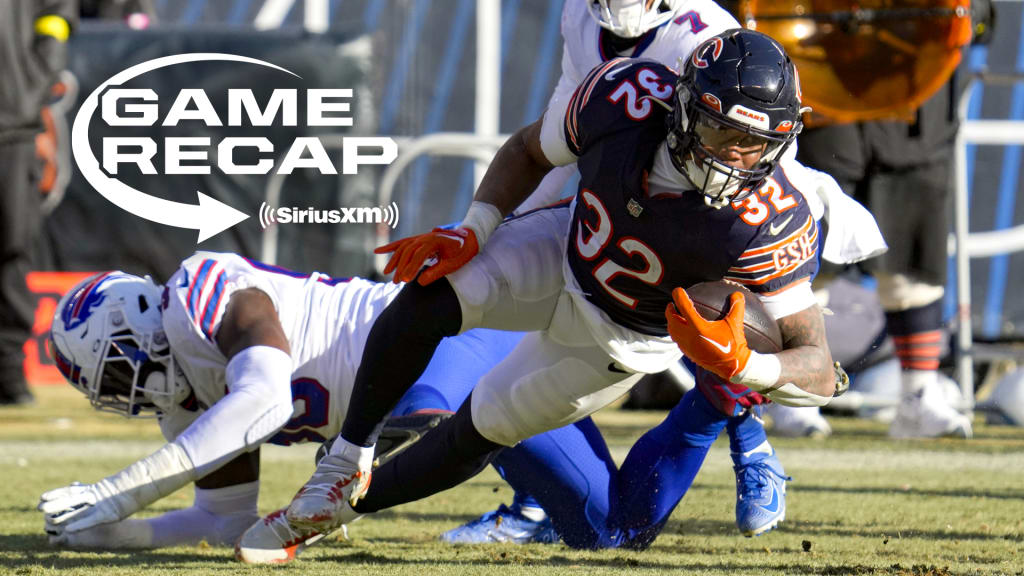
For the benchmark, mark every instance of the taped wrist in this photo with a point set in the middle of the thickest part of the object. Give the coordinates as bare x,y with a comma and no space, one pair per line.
147,480
790,394
482,218
230,500
761,372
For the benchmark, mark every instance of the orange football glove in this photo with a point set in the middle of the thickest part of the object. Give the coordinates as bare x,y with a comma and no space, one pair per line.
441,251
718,345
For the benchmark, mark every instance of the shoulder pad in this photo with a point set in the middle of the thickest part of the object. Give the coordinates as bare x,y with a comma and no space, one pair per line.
617,93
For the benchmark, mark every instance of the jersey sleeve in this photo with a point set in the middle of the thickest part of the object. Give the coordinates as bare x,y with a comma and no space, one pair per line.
204,284
782,254
196,297
614,93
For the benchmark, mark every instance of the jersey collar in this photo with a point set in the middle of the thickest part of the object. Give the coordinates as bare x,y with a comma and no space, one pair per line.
604,44
664,178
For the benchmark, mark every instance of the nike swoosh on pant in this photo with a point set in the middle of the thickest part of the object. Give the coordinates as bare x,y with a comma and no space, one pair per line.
614,367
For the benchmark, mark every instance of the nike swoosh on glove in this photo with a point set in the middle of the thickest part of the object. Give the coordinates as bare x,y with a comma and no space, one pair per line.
718,345
441,251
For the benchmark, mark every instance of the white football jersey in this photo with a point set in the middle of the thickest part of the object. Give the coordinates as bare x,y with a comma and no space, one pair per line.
325,319
582,51
695,22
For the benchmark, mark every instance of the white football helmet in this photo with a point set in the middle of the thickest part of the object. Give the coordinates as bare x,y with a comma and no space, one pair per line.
632,18
108,340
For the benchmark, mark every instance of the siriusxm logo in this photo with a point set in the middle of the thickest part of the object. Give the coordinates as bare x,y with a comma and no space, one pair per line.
240,127
386,215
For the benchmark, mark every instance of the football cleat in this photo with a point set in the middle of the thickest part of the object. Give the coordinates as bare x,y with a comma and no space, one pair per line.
341,478
503,525
760,495
927,414
272,540
794,422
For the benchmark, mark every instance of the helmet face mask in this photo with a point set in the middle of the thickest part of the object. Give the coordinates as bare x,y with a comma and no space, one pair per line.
108,341
738,95
631,18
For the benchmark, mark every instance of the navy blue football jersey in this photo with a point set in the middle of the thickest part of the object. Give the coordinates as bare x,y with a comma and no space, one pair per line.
628,249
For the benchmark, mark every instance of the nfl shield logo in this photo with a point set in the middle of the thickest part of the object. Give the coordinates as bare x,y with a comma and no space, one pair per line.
634,208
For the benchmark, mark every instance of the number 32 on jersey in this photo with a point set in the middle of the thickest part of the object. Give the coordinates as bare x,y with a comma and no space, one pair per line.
591,247
756,208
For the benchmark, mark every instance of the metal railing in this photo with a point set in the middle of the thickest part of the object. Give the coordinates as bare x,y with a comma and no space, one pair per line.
478,147
978,244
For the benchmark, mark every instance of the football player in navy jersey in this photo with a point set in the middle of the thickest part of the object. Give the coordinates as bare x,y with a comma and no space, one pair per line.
667,31
681,182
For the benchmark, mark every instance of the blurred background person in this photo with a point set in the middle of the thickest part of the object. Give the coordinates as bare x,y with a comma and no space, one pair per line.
872,133
32,53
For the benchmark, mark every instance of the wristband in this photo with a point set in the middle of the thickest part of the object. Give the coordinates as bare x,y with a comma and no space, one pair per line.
761,372
482,218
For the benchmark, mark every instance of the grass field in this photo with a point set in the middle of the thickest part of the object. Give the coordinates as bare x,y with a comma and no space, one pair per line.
859,504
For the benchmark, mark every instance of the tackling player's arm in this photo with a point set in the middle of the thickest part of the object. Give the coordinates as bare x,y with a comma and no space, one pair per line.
258,375
517,169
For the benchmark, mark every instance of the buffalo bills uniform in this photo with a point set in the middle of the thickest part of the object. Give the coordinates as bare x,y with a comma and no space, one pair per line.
326,321
587,45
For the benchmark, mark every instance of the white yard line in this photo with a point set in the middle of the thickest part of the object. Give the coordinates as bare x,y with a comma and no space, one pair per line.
23,453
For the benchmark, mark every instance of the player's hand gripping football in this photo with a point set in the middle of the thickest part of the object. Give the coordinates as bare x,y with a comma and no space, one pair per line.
717,345
81,506
442,251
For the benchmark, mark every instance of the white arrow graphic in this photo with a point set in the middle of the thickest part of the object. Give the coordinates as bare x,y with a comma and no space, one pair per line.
209,216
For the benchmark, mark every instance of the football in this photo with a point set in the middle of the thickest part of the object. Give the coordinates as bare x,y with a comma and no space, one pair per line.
711,299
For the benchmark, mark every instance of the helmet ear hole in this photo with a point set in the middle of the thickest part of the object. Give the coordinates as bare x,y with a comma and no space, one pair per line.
143,305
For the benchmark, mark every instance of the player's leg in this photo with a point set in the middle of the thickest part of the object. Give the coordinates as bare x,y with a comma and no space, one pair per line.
661,467
513,284
760,479
566,476
911,207
542,385
20,218
457,365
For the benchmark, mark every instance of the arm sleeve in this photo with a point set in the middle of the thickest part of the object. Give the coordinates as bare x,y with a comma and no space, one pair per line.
259,403
218,516
174,422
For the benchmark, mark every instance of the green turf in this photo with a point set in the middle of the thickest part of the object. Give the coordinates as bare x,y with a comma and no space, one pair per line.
859,504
